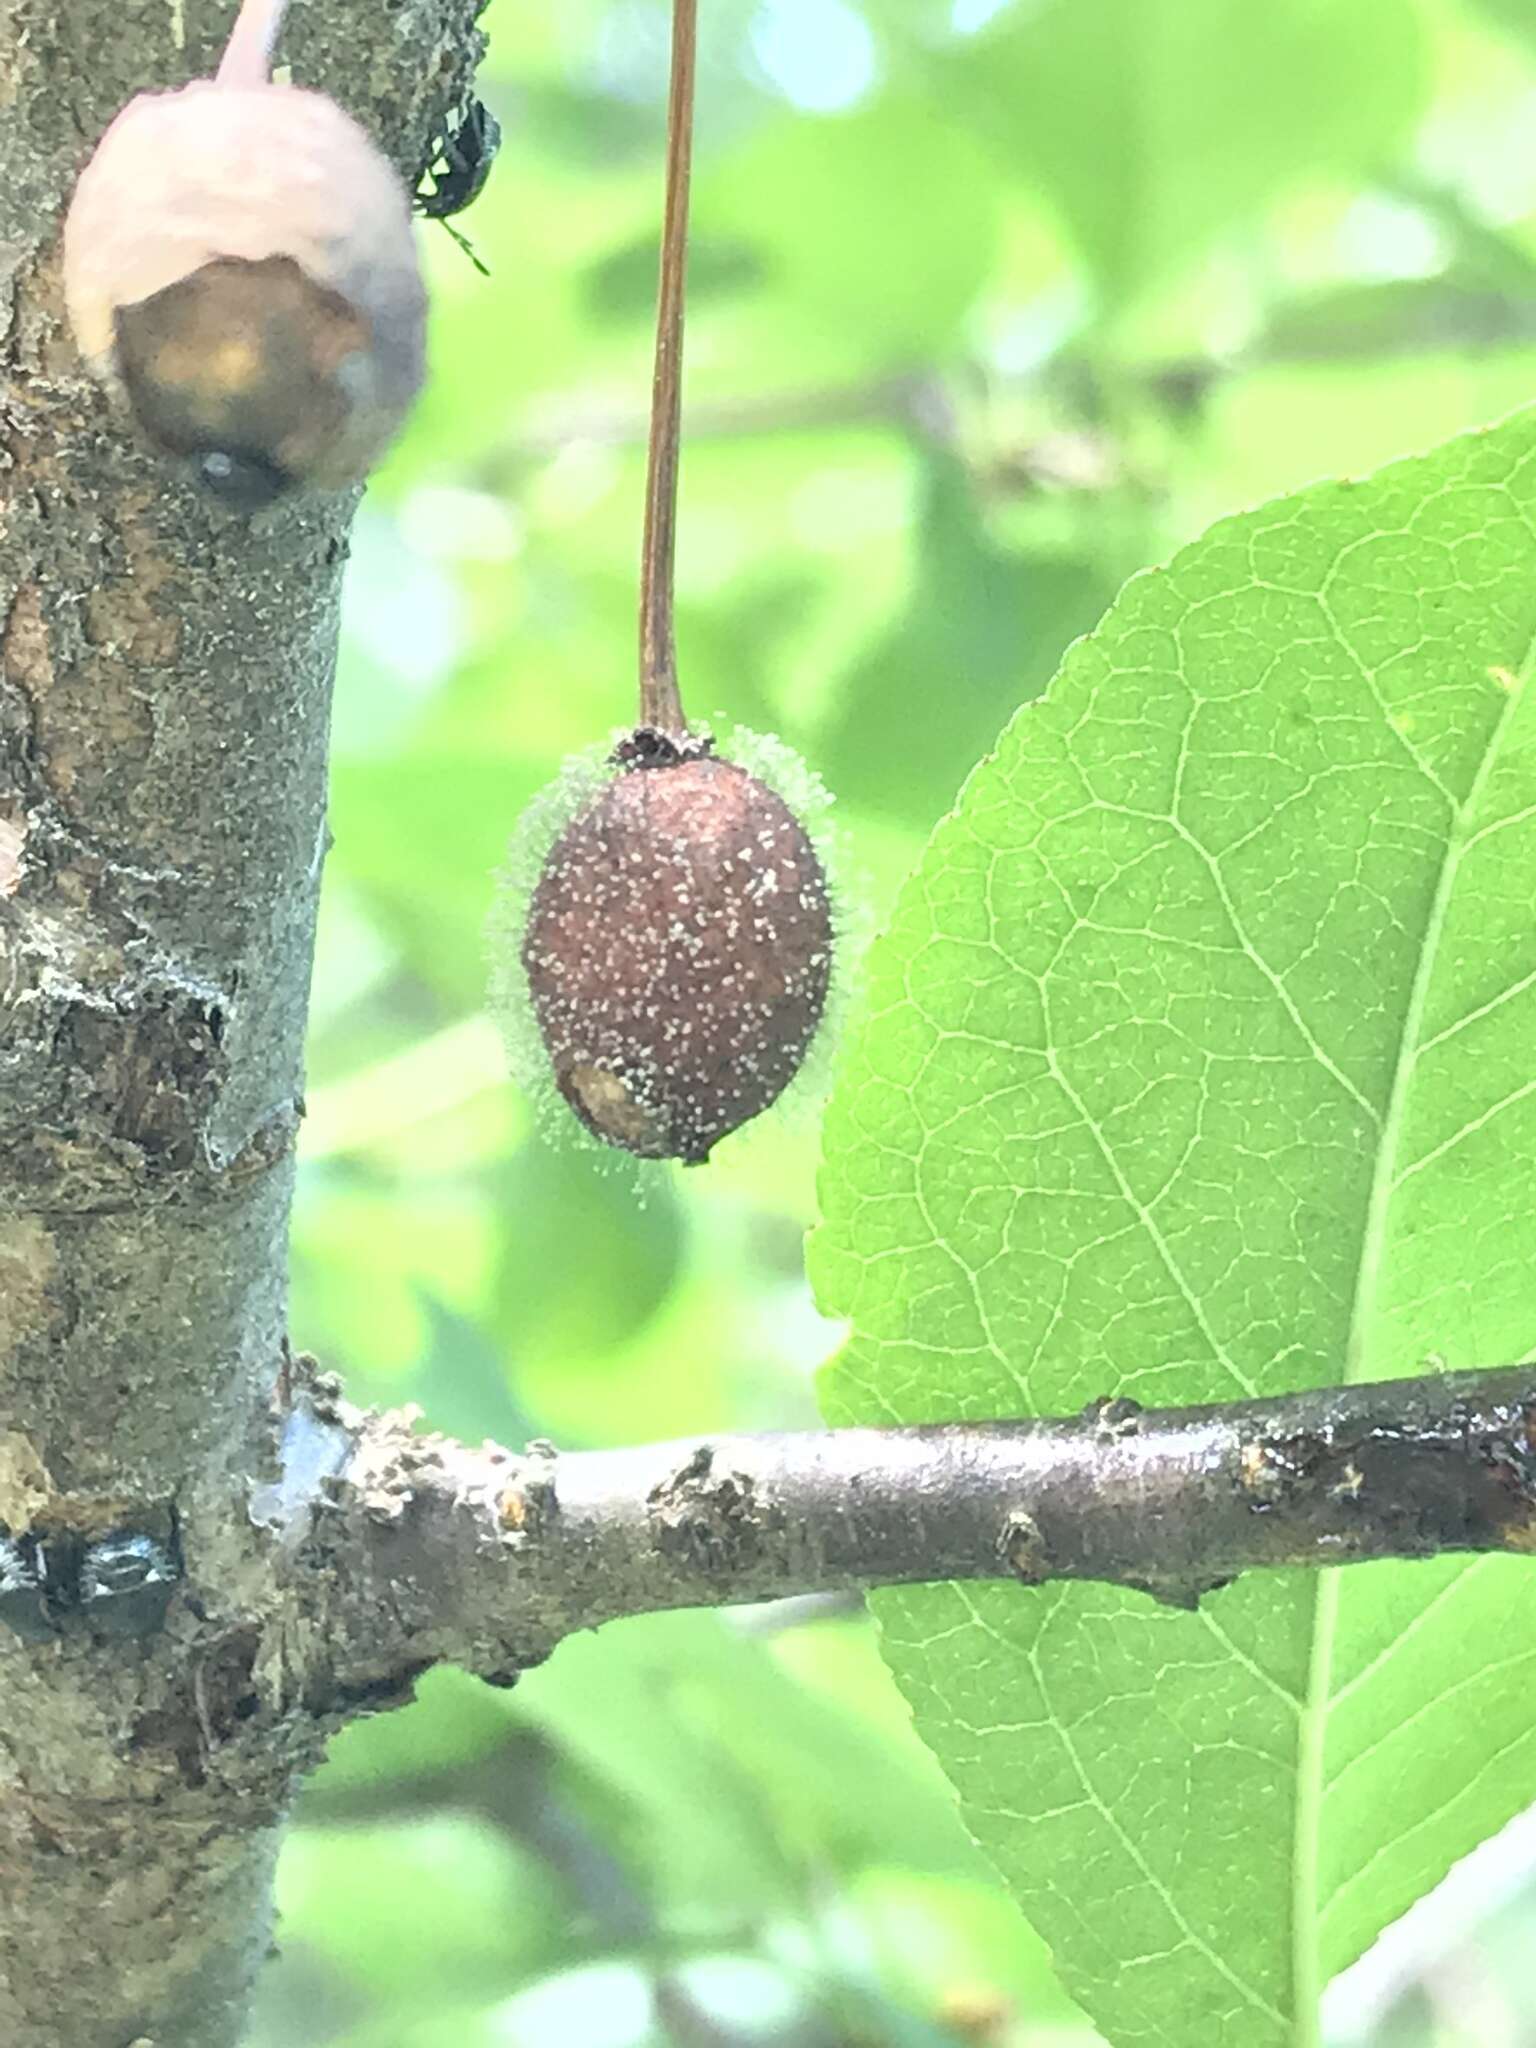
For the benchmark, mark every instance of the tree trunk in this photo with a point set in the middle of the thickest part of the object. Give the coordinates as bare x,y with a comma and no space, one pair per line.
165,674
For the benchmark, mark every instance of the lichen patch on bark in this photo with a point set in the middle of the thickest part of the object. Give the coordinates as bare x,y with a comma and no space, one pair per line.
130,616
25,1488
13,839
28,655
28,1261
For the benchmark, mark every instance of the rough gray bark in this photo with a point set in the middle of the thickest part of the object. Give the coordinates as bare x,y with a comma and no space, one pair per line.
165,670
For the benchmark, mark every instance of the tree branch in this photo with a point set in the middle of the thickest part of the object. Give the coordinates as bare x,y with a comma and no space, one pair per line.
165,672
417,1549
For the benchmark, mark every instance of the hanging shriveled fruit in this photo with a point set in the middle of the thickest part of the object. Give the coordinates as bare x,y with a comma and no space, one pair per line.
679,937
240,266
678,949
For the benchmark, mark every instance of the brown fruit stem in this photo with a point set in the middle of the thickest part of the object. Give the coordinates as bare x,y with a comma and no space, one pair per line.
661,705
247,58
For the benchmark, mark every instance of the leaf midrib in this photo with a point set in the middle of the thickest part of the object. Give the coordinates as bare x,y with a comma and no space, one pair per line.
1306,1960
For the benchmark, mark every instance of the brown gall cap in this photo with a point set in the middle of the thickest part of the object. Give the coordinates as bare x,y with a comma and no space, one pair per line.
678,950
240,260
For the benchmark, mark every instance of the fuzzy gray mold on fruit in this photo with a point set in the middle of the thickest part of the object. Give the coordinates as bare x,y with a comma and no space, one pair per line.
678,951
240,264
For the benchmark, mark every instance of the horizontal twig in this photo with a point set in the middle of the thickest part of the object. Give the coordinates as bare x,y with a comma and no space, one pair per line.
423,1549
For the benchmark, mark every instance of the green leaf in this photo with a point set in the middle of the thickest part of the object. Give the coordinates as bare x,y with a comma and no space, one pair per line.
880,225
936,1936
582,1266
423,1910
1153,125
621,286
1198,1064
726,1781
451,1722
418,837
1513,16
983,626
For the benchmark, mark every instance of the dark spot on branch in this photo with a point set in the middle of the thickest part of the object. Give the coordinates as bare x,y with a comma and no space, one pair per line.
1274,1471
1023,1549
153,1064
710,1518
1183,1594
530,1500
1512,1460
116,1581
374,1694
1113,1417
225,1685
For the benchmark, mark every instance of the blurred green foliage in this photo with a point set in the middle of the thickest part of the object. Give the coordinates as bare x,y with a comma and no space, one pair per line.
994,303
